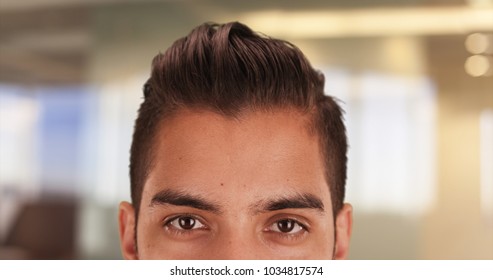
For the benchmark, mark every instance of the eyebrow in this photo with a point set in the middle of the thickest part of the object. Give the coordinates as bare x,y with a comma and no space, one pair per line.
300,201
180,198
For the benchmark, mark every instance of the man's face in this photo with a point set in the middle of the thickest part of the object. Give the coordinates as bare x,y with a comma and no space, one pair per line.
226,188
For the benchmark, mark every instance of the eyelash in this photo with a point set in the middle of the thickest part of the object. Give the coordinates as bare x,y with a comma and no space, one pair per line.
173,229
289,236
282,235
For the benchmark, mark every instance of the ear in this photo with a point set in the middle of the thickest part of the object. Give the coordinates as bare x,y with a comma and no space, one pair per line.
344,224
126,217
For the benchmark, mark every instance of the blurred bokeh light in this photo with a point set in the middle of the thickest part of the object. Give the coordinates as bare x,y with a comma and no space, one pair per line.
414,77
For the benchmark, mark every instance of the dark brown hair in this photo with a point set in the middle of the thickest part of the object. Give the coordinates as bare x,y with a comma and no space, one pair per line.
228,69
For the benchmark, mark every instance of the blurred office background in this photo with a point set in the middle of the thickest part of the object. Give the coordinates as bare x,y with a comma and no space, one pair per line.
415,77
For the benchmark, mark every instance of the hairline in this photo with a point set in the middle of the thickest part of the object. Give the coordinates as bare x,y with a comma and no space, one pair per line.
149,159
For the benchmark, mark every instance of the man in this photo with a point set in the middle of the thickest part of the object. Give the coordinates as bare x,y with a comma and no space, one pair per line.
237,154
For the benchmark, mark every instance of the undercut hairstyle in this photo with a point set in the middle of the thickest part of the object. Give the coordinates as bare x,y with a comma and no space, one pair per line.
229,69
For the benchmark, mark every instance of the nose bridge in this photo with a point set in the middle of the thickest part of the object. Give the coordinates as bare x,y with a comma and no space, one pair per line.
235,248
236,243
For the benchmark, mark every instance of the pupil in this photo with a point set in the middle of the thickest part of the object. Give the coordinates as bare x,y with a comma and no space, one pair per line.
285,225
186,222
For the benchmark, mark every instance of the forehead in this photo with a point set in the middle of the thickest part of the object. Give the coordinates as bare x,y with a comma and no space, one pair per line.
257,154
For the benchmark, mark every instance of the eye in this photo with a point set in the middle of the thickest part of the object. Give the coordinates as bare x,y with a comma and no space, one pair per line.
185,223
287,226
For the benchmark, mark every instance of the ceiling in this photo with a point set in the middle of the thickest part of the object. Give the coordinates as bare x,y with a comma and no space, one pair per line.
51,41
